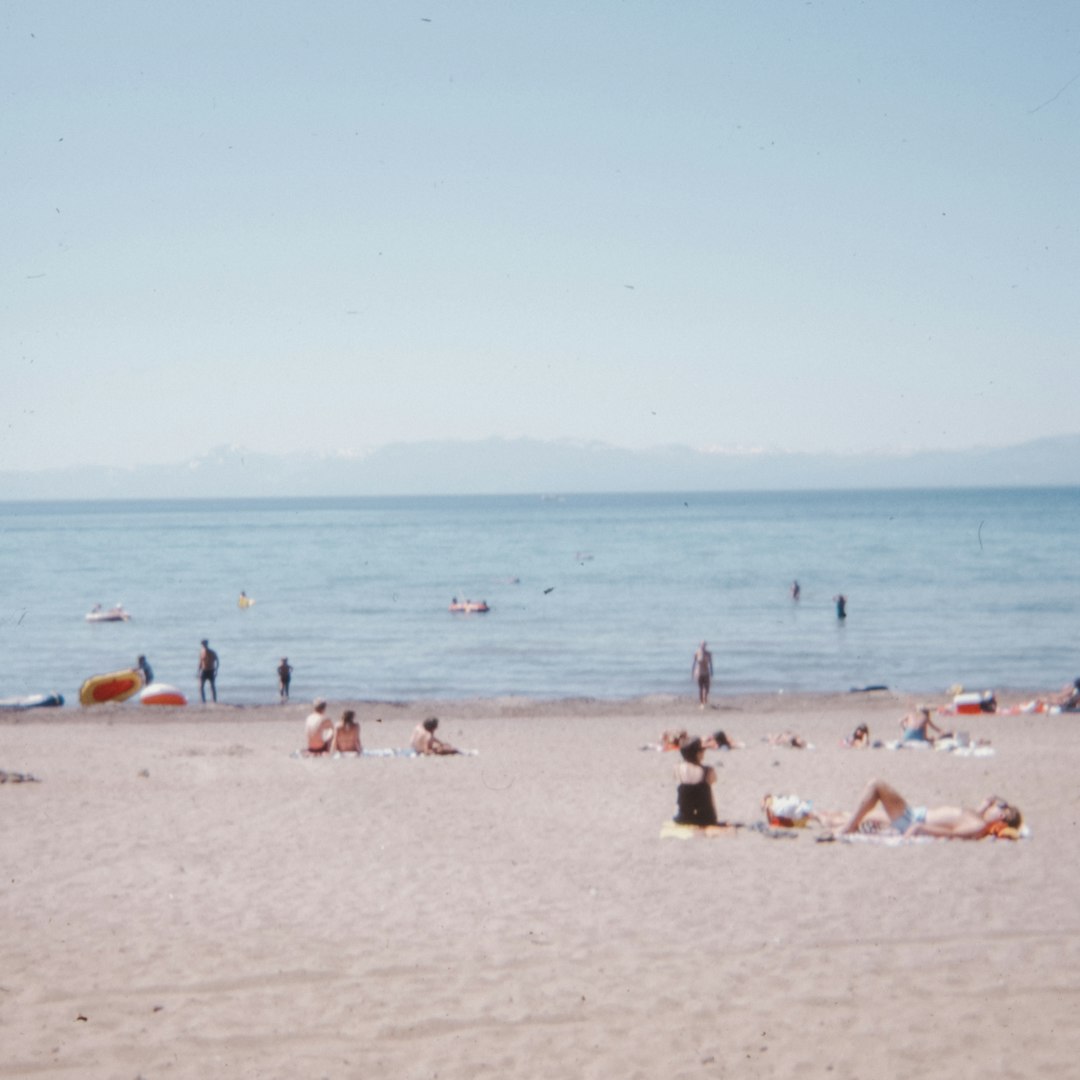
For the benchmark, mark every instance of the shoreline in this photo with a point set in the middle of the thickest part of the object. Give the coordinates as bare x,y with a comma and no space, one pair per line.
508,706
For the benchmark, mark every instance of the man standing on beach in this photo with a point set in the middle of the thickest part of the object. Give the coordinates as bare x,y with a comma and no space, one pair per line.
701,673
208,669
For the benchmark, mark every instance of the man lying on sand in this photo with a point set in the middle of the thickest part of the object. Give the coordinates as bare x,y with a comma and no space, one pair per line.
425,741
948,822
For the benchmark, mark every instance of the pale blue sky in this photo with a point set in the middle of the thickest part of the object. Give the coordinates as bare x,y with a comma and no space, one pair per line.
330,226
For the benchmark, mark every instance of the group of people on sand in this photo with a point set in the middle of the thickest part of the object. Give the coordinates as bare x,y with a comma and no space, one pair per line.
323,736
880,809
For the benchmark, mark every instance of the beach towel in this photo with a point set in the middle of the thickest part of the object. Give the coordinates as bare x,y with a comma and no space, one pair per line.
888,838
672,830
949,746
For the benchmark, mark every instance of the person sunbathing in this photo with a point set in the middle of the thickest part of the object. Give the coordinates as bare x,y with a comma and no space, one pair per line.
694,799
347,735
1069,698
425,741
948,822
787,738
718,740
673,739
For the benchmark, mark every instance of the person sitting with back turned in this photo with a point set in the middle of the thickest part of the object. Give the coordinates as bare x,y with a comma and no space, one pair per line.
425,741
949,822
694,798
347,735
319,729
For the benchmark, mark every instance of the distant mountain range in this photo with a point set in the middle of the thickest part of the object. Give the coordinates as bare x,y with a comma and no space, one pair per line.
529,466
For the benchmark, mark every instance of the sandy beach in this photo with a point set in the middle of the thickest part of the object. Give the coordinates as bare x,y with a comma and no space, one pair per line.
183,897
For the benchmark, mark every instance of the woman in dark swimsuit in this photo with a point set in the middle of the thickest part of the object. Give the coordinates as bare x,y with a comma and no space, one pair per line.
695,801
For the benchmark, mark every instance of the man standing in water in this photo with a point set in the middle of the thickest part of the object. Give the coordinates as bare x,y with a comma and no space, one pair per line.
208,669
701,673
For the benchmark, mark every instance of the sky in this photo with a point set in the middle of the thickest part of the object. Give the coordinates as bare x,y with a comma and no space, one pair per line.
323,227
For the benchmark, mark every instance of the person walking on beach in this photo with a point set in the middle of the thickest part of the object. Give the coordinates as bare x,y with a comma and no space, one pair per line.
208,669
284,674
701,672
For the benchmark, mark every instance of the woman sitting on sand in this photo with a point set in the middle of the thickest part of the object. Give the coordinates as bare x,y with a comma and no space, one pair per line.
694,797
347,735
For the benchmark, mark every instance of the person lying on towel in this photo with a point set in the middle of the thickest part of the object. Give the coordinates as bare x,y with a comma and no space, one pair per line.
995,817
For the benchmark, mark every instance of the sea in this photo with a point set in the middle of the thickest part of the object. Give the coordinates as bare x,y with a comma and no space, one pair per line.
600,596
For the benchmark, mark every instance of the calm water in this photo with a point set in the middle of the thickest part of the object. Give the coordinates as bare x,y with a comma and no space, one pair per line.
612,593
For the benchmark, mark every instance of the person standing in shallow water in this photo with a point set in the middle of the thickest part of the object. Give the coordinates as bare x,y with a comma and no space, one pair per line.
284,674
701,672
841,605
208,669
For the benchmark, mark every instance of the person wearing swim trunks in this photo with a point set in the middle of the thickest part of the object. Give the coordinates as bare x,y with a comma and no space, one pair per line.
946,822
319,729
701,672
916,728
694,798
208,669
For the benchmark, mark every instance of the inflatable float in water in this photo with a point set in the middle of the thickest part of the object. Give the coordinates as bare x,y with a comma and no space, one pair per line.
116,686
116,614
